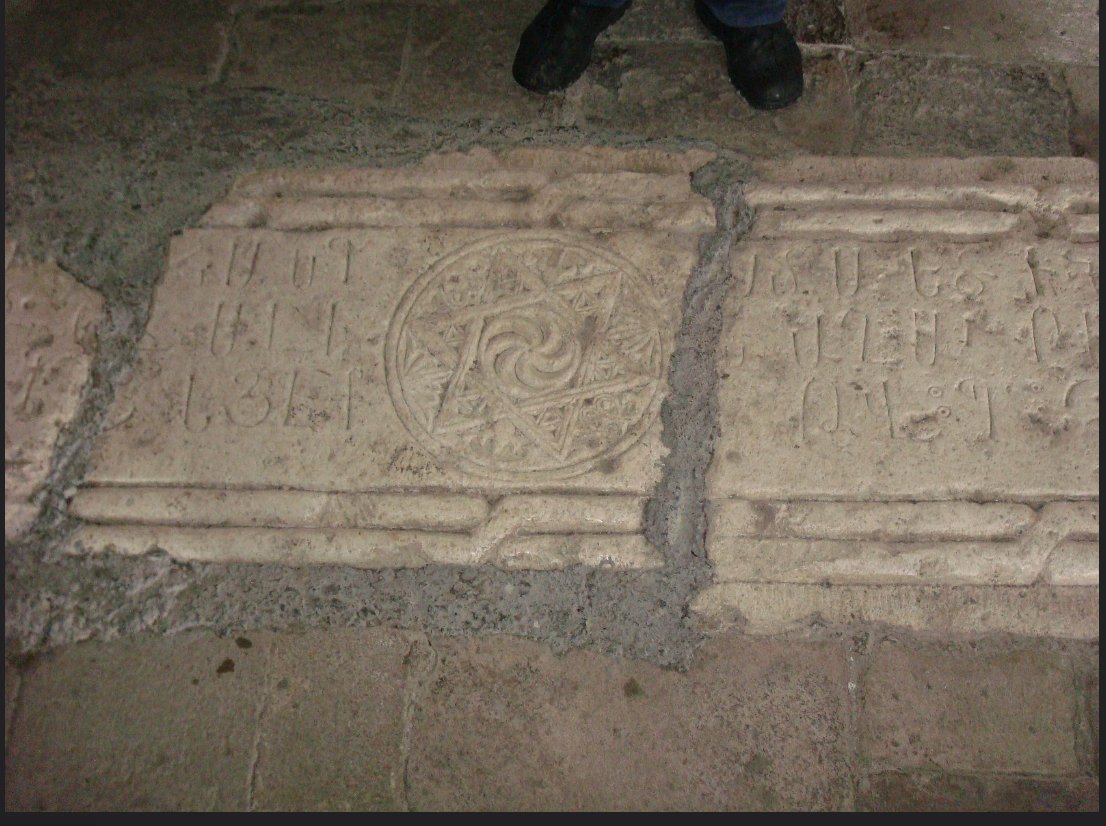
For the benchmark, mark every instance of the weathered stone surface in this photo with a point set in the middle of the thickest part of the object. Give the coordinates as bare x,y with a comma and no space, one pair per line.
49,341
1083,128
751,726
454,363
331,727
12,681
153,723
180,43
353,53
999,30
909,390
949,792
812,21
775,608
664,90
924,707
909,104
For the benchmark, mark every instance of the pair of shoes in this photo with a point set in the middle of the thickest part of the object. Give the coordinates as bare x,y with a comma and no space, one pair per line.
764,62
556,47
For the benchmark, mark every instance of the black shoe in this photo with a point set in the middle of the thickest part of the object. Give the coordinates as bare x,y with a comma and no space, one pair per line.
556,47
764,62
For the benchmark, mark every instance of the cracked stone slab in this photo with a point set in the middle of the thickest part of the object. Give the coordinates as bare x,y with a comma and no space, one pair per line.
456,362
49,342
909,397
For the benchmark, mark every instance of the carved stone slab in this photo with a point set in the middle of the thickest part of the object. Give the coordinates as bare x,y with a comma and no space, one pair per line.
458,362
909,389
49,342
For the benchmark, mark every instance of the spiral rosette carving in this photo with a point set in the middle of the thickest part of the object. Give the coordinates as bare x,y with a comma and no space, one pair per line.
528,356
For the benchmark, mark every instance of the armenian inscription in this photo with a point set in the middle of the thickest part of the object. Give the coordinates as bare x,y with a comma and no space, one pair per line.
909,388
398,367
49,342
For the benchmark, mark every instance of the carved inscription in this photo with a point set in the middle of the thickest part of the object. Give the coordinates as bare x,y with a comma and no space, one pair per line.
525,354
971,343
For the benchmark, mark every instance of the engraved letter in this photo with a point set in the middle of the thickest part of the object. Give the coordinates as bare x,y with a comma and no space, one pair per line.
189,423
832,418
846,271
922,275
250,408
223,343
1038,330
925,337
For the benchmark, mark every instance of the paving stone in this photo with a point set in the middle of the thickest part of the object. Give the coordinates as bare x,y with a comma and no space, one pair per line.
1082,84
331,729
12,680
929,352
458,63
945,792
1087,687
147,723
662,90
812,21
924,708
49,341
181,42
1000,30
750,726
461,362
929,105
348,52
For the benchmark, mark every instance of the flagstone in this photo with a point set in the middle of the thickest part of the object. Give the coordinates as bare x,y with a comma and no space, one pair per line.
459,362
909,397
49,342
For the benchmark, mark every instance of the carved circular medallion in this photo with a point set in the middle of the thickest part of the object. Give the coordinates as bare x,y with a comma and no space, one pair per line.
527,356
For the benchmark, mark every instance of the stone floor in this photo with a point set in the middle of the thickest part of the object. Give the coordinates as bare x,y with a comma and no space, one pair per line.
677,616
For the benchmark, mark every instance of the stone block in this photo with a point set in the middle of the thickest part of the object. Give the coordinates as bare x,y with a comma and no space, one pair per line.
910,104
49,342
780,607
141,724
460,362
105,40
352,53
666,90
909,395
751,725
1082,86
924,707
1007,31
331,729
812,21
949,792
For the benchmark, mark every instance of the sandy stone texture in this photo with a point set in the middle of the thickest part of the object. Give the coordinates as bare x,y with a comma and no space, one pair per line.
140,724
751,726
909,395
1064,31
926,708
49,341
458,362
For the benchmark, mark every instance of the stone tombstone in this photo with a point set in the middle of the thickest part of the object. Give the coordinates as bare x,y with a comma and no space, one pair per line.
49,342
909,392
456,362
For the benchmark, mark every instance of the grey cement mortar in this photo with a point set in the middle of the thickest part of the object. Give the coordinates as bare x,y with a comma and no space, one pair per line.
102,180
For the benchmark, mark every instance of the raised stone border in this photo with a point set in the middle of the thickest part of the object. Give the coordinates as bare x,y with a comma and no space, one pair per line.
909,400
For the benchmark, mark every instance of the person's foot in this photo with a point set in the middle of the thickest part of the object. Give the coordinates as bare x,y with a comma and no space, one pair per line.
764,62
556,47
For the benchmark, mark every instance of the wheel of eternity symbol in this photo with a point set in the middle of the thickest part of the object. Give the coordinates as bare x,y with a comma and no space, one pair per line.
529,356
